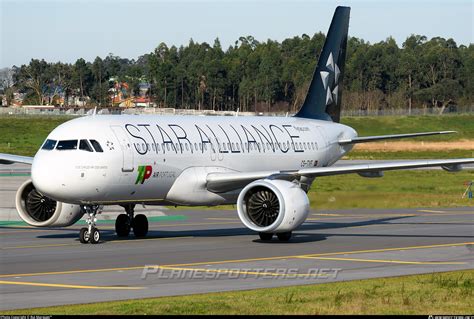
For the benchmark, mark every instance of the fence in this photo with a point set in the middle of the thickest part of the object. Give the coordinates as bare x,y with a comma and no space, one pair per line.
172,111
405,112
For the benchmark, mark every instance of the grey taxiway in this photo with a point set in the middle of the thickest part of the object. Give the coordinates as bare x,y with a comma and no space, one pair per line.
197,251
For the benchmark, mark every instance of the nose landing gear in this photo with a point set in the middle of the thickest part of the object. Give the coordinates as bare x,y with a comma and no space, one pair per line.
125,222
90,234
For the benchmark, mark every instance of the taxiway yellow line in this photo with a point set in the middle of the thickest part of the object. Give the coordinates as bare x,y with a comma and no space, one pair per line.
373,225
239,260
431,211
199,224
185,224
404,224
194,224
446,213
327,214
352,227
23,231
390,249
321,218
71,272
321,254
239,272
413,223
346,225
39,284
386,261
38,246
367,215
123,241
450,212
445,222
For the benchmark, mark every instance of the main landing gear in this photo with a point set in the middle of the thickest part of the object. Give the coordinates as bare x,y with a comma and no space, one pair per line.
90,234
281,236
126,222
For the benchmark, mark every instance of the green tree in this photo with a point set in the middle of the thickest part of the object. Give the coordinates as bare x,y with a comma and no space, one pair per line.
100,86
82,77
33,79
409,66
251,74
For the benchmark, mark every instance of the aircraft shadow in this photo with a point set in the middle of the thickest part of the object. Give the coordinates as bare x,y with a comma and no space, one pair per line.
108,235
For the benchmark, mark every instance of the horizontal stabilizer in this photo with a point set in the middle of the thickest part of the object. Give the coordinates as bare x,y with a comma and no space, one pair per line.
389,137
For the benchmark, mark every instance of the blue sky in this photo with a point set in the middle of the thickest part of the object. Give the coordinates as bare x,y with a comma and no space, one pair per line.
67,30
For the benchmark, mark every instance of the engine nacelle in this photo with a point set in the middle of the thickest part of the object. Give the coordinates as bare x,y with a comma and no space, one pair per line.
41,211
272,206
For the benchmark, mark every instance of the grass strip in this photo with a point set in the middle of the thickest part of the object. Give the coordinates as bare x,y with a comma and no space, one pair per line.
435,293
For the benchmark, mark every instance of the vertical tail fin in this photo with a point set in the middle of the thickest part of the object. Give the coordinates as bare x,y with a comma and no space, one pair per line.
323,100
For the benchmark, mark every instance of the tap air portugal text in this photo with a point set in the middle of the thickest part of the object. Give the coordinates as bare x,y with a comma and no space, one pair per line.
265,165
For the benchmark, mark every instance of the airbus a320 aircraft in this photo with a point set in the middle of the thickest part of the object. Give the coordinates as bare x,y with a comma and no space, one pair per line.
264,164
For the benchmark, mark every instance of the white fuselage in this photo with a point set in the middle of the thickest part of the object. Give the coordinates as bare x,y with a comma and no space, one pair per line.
165,159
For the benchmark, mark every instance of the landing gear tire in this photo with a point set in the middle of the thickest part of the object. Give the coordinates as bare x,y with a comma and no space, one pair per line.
284,236
122,225
140,225
266,236
95,236
84,235
90,234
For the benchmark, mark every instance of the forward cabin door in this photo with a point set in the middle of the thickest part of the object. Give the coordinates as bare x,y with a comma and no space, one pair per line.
126,146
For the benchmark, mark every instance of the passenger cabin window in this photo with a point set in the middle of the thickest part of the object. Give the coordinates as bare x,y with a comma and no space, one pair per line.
67,145
96,146
49,145
85,146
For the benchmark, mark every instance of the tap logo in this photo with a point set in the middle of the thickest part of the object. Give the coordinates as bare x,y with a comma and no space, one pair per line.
144,173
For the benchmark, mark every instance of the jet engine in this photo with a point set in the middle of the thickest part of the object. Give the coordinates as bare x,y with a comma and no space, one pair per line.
38,210
272,206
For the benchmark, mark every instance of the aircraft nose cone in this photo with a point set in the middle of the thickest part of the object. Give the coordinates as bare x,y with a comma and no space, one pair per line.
44,174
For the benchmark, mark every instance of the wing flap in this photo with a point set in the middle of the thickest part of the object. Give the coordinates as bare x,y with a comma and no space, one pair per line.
348,169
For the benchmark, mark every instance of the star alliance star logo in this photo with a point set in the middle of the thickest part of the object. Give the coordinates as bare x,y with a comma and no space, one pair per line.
110,145
331,90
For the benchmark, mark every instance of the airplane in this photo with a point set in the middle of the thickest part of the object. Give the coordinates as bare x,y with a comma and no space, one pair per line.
265,165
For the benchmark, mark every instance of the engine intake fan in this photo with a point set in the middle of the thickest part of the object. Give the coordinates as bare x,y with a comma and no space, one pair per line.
272,206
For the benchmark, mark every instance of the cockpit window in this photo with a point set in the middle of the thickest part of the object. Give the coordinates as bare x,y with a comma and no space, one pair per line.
96,146
85,146
49,145
67,145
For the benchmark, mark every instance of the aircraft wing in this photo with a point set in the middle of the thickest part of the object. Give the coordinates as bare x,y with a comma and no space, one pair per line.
224,182
389,137
10,159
